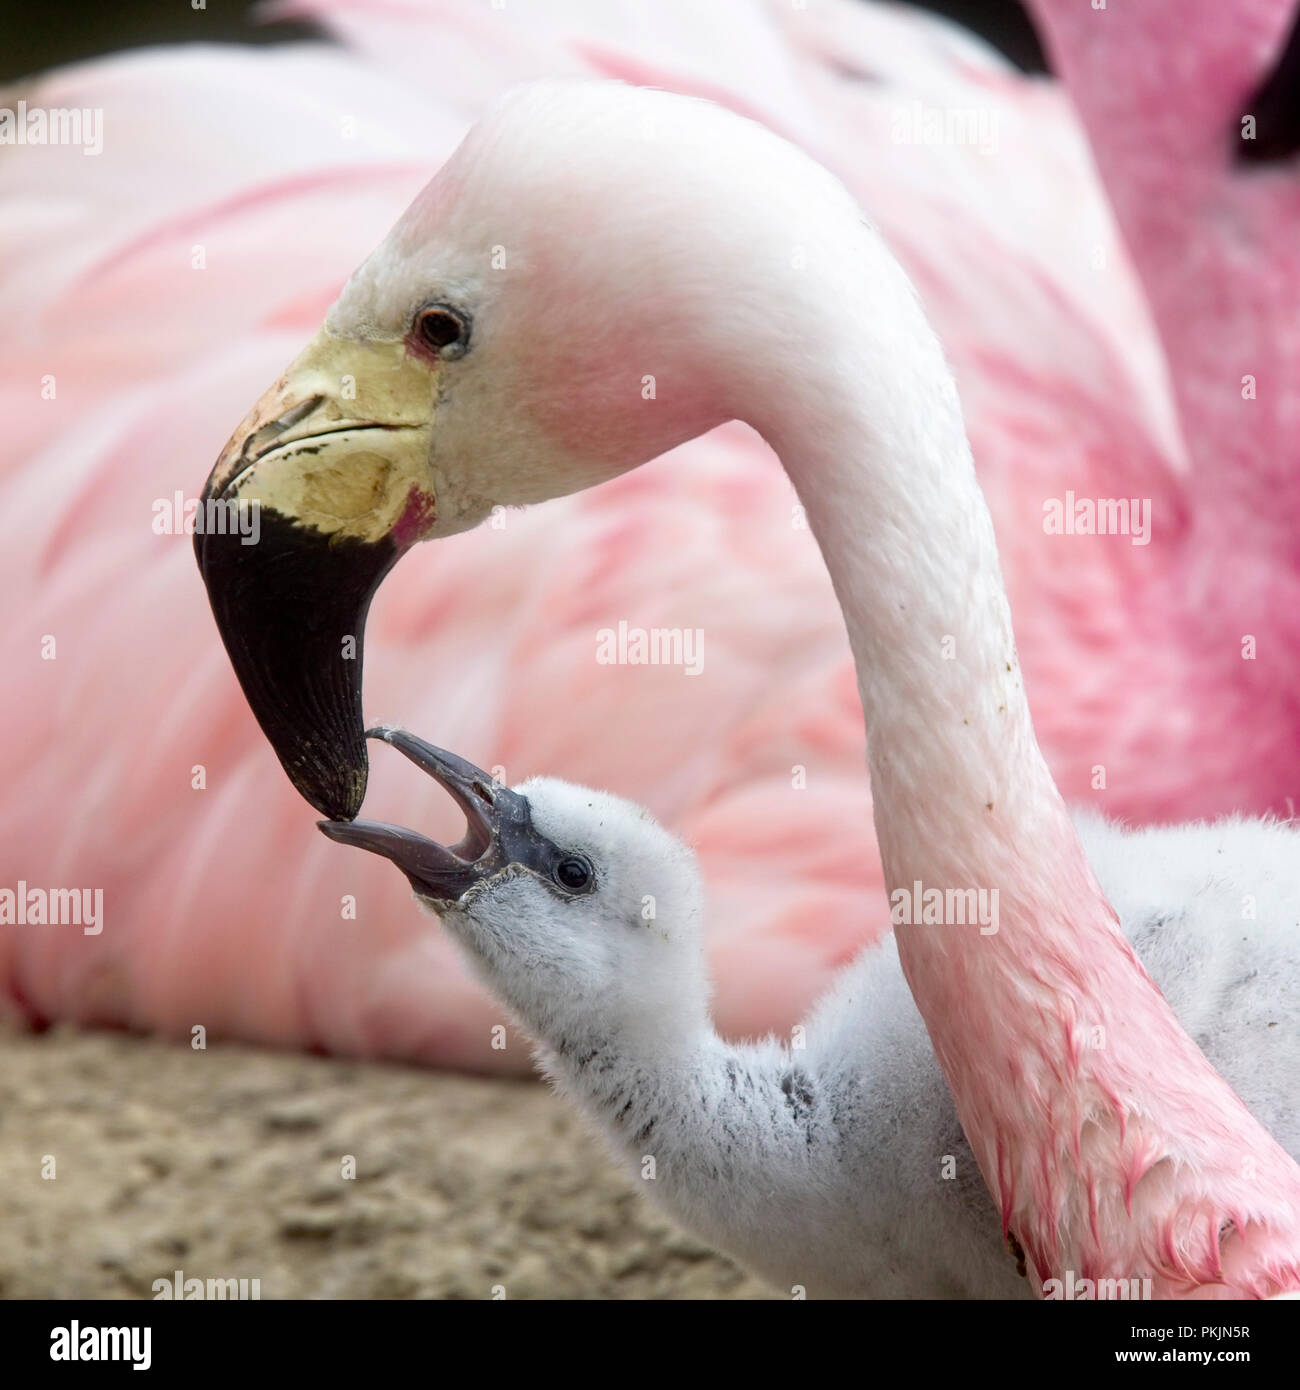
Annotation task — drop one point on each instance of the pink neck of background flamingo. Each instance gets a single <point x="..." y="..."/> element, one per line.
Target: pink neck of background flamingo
<point x="1213" y="238"/>
<point x="964" y="800"/>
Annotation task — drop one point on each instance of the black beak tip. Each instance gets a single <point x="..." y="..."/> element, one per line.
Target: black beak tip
<point x="291" y="609"/>
<point x="338" y="788"/>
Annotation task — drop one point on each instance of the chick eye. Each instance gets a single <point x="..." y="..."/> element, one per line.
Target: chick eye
<point x="443" y="330"/>
<point x="573" y="873"/>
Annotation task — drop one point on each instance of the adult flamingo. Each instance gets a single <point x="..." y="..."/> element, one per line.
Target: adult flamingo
<point x="1064" y="385"/>
<point x="1112" y="1147"/>
<point x="1061" y="381"/>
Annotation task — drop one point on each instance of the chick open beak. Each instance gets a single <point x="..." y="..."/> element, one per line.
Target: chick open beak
<point x="499" y="828"/>
<point x="333" y="462"/>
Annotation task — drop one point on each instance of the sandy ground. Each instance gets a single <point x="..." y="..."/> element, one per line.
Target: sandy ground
<point x="228" y="1163"/>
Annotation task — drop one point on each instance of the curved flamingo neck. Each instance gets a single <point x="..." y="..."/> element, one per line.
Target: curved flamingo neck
<point x="870" y="431"/>
<point x="876" y="448"/>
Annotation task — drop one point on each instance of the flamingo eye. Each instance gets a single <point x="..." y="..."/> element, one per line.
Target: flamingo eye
<point x="573" y="873"/>
<point x="443" y="330"/>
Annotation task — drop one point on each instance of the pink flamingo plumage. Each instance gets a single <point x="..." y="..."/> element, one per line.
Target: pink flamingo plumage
<point x="1110" y="1143"/>
<point x="1056" y="365"/>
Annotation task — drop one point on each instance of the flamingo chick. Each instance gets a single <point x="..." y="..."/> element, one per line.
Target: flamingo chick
<point x="543" y="319"/>
<point x="836" y="1165"/>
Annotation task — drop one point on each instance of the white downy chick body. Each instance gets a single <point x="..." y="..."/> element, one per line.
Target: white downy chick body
<point x="834" y="1163"/>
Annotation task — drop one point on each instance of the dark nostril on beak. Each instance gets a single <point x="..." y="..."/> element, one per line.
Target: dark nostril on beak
<point x="299" y="412"/>
<point x="273" y="429"/>
<point x="261" y="440"/>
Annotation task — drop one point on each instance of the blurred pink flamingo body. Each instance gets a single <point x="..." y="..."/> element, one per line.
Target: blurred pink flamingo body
<point x="153" y="360"/>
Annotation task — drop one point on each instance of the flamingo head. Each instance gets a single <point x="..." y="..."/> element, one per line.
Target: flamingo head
<point x="575" y="906"/>
<point x="597" y="275"/>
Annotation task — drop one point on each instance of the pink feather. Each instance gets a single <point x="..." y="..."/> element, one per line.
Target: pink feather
<point x="223" y="907"/>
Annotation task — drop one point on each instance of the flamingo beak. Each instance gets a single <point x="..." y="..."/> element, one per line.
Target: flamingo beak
<point x="316" y="496"/>
<point x="499" y="828"/>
